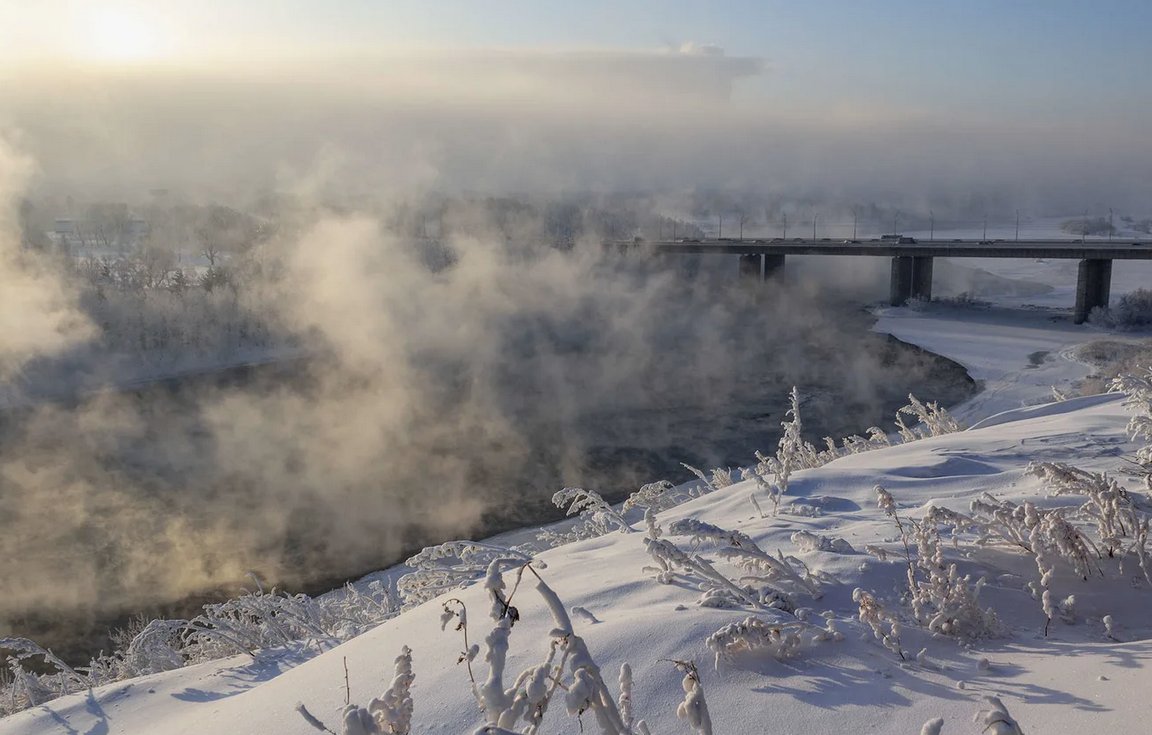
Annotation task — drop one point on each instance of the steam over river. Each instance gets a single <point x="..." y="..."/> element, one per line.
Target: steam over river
<point x="311" y="472"/>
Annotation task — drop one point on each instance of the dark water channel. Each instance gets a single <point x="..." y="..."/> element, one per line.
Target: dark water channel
<point x="637" y="437"/>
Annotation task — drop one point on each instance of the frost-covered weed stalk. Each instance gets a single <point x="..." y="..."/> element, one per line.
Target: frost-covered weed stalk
<point x="769" y="581"/>
<point x="568" y="666"/>
<point x="771" y="473"/>
<point x="794" y="453"/>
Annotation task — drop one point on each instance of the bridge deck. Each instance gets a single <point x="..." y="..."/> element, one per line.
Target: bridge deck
<point x="1053" y="249"/>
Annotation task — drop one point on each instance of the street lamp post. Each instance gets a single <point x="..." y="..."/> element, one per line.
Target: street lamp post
<point x="785" y="235"/>
<point x="894" y="218"/>
<point x="855" y="214"/>
<point x="1017" y="225"/>
<point x="720" y="229"/>
<point x="931" y="225"/>
<point x="814" y="227"/>
<point x="1109" y="224"/>
<point x="985" y="237"/>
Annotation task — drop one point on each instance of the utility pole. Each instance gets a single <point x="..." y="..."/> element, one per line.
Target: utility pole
<point x="1017" y="225"/>
<point x="931" y="225"/>
<point x="814" y="215"/>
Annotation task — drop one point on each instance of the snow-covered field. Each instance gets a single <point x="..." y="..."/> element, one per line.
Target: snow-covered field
<point x="835" y="675"/>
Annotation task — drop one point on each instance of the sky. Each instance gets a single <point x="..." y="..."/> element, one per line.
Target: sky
<point x="987" y="88"/>
<point x="1030" y="57"/>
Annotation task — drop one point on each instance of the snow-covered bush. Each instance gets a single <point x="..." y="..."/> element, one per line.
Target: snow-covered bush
<point x="246" y="624"/>
<point x="445" y="567"/>
<point x="1132" y="310"/>
<point x="662" y="495"/>
<point x="942" y="601"/>
<point x="808" y="541"/>
<point x="597" y="518"/>
<point x="885" y="626"/>
<point x="782" y="640"/>
<point x="793" y="453"/>
<point x="934" y="420"/>
<point x="694" y="708"/>
<point x="1138" y="392"/>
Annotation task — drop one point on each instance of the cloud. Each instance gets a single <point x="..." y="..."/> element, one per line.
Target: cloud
<point x="691" y="48"/>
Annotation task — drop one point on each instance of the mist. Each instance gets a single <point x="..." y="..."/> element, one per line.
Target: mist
<point x="544" y="120"/>
<point x="425" y="387"/>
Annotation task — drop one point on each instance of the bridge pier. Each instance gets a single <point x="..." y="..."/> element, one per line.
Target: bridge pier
<point x="900" y="288"/>
<point x="922" y="277"/>
<point x="911" y="278"/>
<point x="750" y="267"/>
<point x="773" y="267"/>
<point x="1093" y="287"/>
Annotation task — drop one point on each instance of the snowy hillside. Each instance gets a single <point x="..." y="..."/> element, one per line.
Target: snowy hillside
<point x="803" y="621"/>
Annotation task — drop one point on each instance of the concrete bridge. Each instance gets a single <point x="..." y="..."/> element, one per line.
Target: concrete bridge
<point x="912" y="261"/>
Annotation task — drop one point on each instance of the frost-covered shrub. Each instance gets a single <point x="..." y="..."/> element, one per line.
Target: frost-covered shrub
<point x="752" y="635"/>
<point x="661" y="495"/>
<point x="793" y="453"/>
<point x="694" y="708"/>
<point x="933" y="420"/>
<point x="26" y="689"/>
<point x="1138" y="392"/>
<point x="885" y="626"/>
<point x="1131" y="311"/>
<point x="808" y="541"/>
<point x="941" y="600"/>
<point x="445" y="567"/>
<point x="1115" y="511"/>
<point x="699" y="531"/>
<point x="597" y="518"/>
<point x="246" y="624"/>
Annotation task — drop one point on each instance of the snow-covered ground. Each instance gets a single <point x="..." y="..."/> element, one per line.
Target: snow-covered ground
<point x="1081" y="677"/>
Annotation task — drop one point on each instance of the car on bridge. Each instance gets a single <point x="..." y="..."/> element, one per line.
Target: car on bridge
<point x="904" y="240"/>
<point x="851" y="242"/>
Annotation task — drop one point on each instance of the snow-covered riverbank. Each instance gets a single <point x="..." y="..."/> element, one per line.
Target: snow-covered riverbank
<point x="835" y="675"/>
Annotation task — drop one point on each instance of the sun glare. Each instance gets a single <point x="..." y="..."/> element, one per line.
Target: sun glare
<point x="114" y="35"/>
